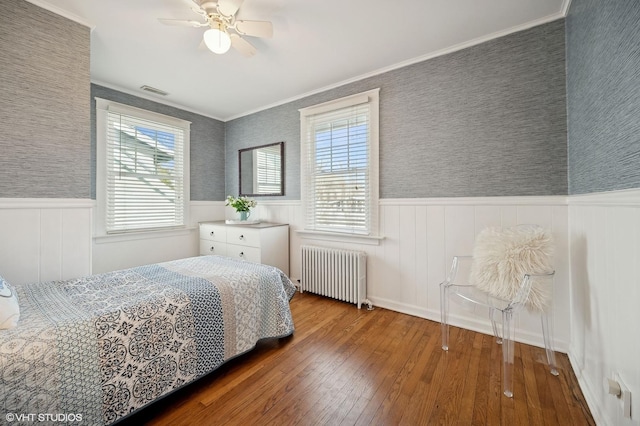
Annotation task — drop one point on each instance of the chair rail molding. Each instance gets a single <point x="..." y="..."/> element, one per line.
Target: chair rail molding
<point x="624" y="197"/>
<point x="535" y="200"/>
<point x="46" y="203"/>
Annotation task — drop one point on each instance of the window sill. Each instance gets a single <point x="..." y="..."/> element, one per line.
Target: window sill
<point x="142" y="235"/>
<point x="336" y="236"/>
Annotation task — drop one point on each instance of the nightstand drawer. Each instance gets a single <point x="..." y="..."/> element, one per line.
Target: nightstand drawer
<point x="243" y="236"/>
<point x="213" y="233"/>
<point x="252" y="254"/>
<point x="262" y="242"/>
<point x="213" y="247"/>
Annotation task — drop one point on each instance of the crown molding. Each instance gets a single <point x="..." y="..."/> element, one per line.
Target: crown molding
<point x="158" y="100"/>
<point x="473" y="42"/>
<point x="441" y="52"/>
<point x="64" y="13"/>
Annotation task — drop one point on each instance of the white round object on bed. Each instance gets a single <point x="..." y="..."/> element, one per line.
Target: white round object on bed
<point x="9" y="309"/>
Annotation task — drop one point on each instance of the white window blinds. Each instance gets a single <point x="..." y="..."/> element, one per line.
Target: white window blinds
<point x="144" y="174"/>
<point x="340" y="174"/>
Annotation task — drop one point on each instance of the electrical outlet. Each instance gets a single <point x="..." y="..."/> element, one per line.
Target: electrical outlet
<point x="626" y="401"/>
<point x="625" y="397"/>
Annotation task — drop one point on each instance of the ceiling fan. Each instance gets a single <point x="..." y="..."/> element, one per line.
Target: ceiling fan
<point x="225" y="31"/>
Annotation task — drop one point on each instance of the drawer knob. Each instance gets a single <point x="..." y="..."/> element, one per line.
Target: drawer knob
<point x="211" y="249"/>
<point x="242" y="237"/>
<point x="241" y="254"/>
<point x="212" y="233"/>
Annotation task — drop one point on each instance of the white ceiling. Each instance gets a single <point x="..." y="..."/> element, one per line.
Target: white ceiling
<point x="316" y="44"/>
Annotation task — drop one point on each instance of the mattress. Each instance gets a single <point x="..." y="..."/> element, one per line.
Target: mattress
<point x="103" y="346"/>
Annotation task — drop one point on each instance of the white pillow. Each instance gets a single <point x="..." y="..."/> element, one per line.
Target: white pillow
<point x="9" y="309"/>
<point x="501" y="258"/>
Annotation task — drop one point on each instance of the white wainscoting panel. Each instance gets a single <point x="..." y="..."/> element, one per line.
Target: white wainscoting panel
<point x="604" y="235"/>
<point x="45" y="239"/>
<point x="420" y="238"/>
<point x="125" y="251"/>
<point x="595" y="318"/>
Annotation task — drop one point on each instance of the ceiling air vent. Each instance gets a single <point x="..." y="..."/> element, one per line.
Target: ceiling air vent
<point x="154" y="90"/>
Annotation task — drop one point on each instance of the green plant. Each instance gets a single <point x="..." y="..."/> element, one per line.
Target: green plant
<point x="241" y="204"/>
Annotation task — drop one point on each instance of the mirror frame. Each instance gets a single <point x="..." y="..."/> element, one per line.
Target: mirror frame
<point x="240" y="151"/>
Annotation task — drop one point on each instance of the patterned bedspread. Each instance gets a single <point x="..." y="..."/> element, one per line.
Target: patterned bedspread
<point x="105" y="345"/>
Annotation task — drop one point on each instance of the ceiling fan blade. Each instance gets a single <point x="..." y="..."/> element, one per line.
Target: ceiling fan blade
<point x="192" y="3"/>
<point x="229" y="7"/>
<point x="242" y="45"/>
<point x="183" y="23"/>
<point x="195" y="7"/>
<point x="255" y="28"/>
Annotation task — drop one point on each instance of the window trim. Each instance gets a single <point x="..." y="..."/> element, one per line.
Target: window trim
<point x="103" y="107"/>
<point x="372" y="97"/>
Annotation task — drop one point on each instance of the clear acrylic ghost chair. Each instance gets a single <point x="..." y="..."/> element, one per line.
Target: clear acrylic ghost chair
<point x="470" y="295"/>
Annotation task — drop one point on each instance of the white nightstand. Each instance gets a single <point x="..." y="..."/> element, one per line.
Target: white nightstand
<point x="263" y="242"/>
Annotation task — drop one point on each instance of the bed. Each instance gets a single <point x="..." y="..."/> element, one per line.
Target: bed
<point x="106" y="345"/>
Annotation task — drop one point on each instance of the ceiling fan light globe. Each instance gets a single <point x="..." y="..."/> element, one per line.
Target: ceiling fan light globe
<point x="217" y="41"/>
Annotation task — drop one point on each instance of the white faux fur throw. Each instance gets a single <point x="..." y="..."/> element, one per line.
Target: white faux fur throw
<point x="501" y="258"/>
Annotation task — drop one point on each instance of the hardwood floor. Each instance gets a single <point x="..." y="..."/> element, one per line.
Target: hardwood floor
<point x="345" y="366"/>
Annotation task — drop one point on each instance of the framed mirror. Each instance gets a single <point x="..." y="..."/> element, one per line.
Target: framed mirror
<point x="261" y="170"/>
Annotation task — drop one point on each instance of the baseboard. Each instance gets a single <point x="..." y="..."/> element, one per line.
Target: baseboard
<point x="468" y="323"/>
<point x="406" y="308"/>
<point x="587" y="392"/>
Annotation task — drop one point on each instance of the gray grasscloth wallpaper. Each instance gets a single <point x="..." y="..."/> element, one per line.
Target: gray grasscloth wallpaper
<point x="44" y="104"/>
<point x="206" y="145"/>
<point x="489" y="120"/>
<point x="603" y="95"/>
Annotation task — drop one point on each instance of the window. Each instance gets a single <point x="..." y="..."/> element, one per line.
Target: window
<point x="340" y="164"/>
<point x="142" y="168"/>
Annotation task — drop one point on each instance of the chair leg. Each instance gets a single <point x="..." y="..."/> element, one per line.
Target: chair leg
<point x="444" y="315"/>
<point x="508" y="335"/>
<point x="548" y="344"/>
<point x="496" y="333"/>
